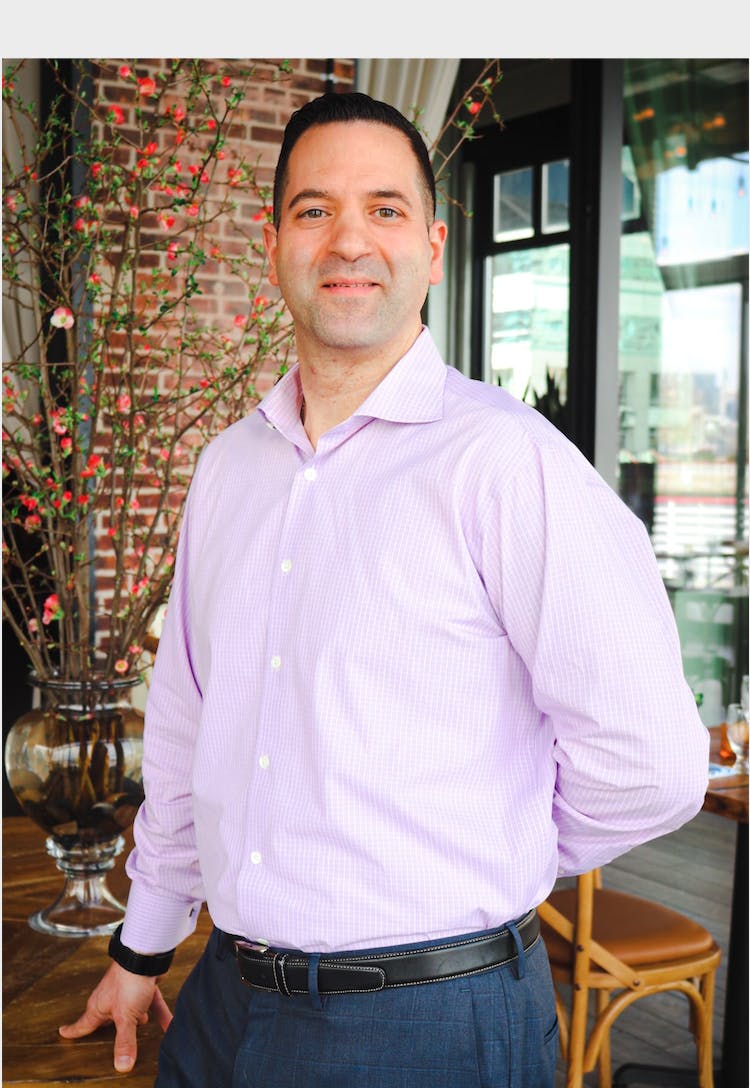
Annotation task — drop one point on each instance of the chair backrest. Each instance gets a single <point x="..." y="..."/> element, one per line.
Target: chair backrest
<point x="664" y="951"/>
<point x="584" y="950"/>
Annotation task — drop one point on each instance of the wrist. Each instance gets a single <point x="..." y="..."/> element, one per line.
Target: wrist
<point x="138" y="963"/>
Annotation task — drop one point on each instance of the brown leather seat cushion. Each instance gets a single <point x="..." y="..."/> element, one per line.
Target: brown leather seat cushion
<point x="635" y="930"/>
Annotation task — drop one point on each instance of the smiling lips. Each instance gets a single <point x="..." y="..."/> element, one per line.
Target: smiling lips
<point x="349" y="287"/>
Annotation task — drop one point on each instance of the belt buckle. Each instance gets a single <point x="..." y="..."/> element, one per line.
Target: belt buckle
<point x="260" y="947"/>
<point x="277" y="960"/>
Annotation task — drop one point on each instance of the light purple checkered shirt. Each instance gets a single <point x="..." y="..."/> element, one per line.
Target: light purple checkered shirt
<point x="405" y="679"/>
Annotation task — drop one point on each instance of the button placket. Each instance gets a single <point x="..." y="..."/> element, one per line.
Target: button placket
<point x="281" y="611"/>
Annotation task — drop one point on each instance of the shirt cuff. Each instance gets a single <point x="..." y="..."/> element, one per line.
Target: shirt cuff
<point x="154" y="924"/>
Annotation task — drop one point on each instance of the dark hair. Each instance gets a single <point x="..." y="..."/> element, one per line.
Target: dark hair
<point x="349" y="106"/>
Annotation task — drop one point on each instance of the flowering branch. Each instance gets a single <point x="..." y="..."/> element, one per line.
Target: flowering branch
<point x="125" y="213"/>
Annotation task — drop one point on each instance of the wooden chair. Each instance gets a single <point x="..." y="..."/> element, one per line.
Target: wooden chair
<point x="623" y="948"/>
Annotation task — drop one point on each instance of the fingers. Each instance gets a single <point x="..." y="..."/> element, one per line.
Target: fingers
<point x="160" y="1010"/>
<point x="86" y="1023"/>
<point x="126" y="1048"/>
<point x="124" y="999"/>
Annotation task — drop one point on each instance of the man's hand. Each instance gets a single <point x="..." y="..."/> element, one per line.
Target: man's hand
<point x="126" y="1000"/>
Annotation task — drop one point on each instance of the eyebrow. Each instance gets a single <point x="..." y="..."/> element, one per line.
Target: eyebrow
<point x="325" y="194"/>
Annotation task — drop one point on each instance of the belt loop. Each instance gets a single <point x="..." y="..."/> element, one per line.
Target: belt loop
<point x="279" y="961"/>
<point x="223" y="943"/>
<point x="520" y="954"/>
<point x="312" y="981"/>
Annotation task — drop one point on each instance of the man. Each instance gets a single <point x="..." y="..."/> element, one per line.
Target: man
<point x="418" y="660"/>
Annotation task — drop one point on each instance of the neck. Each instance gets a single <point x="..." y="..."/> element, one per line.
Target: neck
<point x="334" y="388"/>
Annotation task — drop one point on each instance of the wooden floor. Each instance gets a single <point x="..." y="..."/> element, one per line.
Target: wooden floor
<point x="690" y="871"/>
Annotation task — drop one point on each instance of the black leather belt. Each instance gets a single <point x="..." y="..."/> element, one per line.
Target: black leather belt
<point x="287" y="972"/>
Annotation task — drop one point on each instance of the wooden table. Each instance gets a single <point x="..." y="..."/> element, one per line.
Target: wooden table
<point x="46" y="980"/>
<point x="727" y="795"/>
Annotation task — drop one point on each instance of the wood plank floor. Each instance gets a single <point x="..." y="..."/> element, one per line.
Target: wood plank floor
<point x="690" y="871"/>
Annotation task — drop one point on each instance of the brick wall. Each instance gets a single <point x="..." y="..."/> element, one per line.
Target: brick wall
<point x="256" y="133"/>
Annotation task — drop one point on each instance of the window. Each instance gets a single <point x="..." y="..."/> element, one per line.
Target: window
<point x="513" y="207"/>
<point x="683" y="293"/>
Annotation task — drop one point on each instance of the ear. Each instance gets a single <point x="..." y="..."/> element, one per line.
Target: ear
<point x="438" y="232"/>
<point x="270" y="242"/>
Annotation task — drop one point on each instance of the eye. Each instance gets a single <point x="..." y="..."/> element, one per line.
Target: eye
<point x="311" y="213"/>
<point x="386" y="213"/>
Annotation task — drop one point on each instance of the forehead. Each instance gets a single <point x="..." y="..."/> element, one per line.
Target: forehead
<point x="350" y="149"/>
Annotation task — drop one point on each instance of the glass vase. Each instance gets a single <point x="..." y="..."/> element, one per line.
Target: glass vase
<point x="74" y="765"/>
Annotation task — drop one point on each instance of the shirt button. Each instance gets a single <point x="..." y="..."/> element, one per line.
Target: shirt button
<point x="255" y="857"/>
<point x="311" y="473"/>
<point x="265" y="762"/>
<point x="276" y="662"/>
<point x="286" y="565"/>
<point x="270" y="425"/>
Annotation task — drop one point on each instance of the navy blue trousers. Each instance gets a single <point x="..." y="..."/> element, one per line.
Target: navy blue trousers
<point x="496" y="1029"/>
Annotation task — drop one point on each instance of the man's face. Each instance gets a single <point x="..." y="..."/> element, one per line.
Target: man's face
<point x="354" y="252"/>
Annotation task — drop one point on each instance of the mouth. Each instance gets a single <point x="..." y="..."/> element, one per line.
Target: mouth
<point x="349" y="285"/>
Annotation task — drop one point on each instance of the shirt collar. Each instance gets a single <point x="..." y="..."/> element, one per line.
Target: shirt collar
<point x="411" y="392"/>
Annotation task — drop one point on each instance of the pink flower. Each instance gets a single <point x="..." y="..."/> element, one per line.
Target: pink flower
<point x="225" y="81"/>
<point x="240" y="321"/>
<point x="62" y="318"/>
<point x="146" y="85"/>
<point x="32" y="522"/>
<point x="473" y="107"/>
<point x="52" y="609"/>
<point x="134" y="211"/>
<point x="33" y="626"/>
<point x="191" y="210"/>
<point x="116" y="115"/>
<point x="121" y="666"/>
<point x="124" y="71"/>
<point x="66" y="445"/>
<point x="123" y="403"/>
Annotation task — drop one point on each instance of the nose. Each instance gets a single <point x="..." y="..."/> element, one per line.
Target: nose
<point x="350" y="236"/>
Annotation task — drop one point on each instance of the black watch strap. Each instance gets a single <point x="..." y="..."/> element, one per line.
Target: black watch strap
<point x="138" y="962"/>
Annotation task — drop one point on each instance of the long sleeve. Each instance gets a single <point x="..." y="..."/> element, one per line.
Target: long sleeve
<point x="585" y="607"/>
<point x="166" y="891"/>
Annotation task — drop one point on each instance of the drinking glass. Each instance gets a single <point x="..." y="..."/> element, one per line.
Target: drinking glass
<point x="737" y="735"/>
